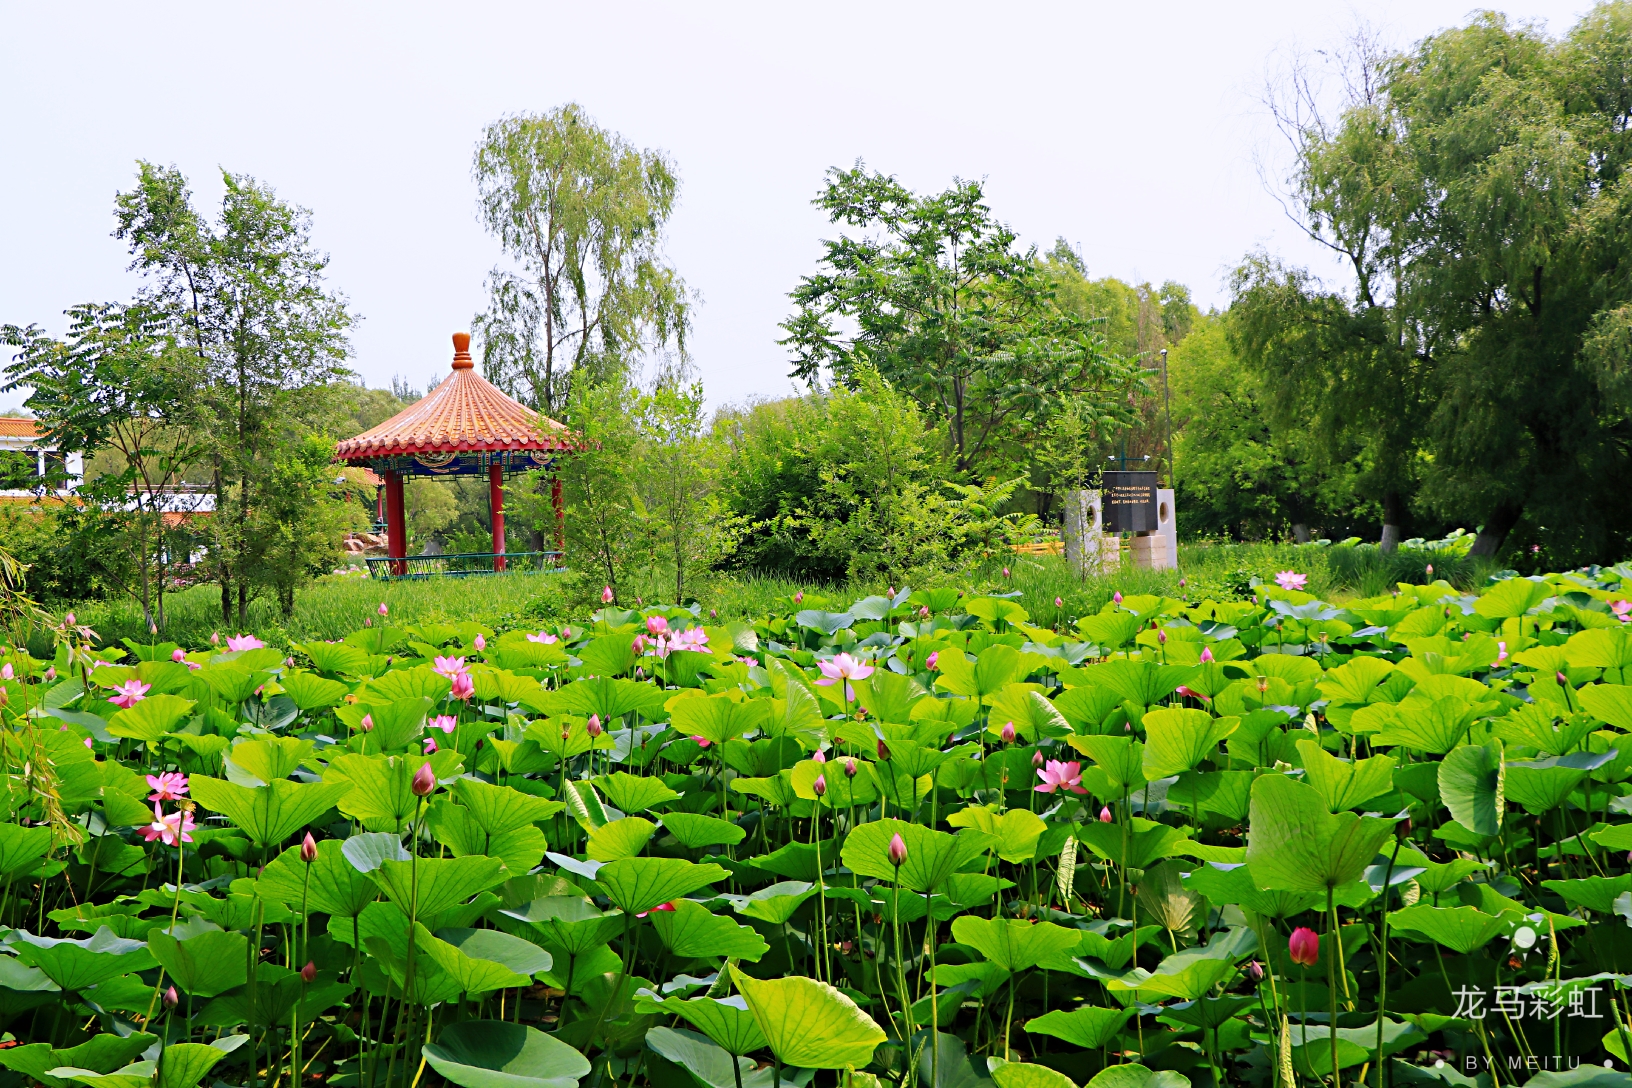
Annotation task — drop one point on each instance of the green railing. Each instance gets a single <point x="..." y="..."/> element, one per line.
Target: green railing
<point x="463" y="564"/>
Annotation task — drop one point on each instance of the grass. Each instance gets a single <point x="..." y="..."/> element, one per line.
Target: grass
<point x="339" y="605"/>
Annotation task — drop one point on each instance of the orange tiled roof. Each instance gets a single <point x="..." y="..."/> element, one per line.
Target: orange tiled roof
<point x="465" y="412"/>
<point x="18" y="427"/>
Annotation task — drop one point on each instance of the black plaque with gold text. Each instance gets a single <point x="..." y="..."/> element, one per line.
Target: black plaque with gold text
<point x="1129" y="500"/>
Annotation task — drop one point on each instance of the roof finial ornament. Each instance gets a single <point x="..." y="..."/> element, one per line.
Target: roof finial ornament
<point x="461" y="351"/>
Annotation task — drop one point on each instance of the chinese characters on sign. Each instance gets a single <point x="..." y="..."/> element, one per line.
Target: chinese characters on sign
<point x="1129" y="500"/>
<point x="1515" y="1004"/>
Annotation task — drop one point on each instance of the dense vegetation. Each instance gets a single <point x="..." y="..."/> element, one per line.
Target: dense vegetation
<point x="915" y="839"/>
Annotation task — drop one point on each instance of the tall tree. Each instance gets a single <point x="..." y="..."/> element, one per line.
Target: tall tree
<point x="270" y="335"/>
<point x="936" y="296"/>
<point x="1476" y="187"/>
<point x="579" y="213"/>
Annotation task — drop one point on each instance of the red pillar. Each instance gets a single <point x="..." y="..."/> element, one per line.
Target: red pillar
<point x="495" y="503"/>
<point x="396" y="523"/>
<point x="560" y="508"/>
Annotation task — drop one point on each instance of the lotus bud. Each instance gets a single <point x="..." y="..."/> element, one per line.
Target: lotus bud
<point x="849" y="768"/>
<point x="930" y="661"/>
<point x="1563" y="681"/>
<point x="883" y="750"/>
<point x="69" y="619"/>
<point x="606" y="594"/>
<point x="1501" y="652"/>
<point x="384" y="611"/>
<point x="308" y="849"/>
<point x="640" y="602"/>
<point x="430" y="746"/>
<point x="1105" y="815"/>
<point x="923" y="611"/>
<point x="50" y="674"/>
<point x="1304" y="947"/>
<point x="898" y="851"/>
<point x="1008" y="733"/>
<point x="890" y="593"/>
<point x="713" y="615"/>
<point x="1059" y="602"/>
<point x="368" y="621"/>
<point x="594" y="727"/>
<point x="178" y="655"/>
<point x="1403" y="828"/>
<point x="1161" y="637"/>
<point x="1181" y="583"/>
<point x="308" y="972"/>
<point x="215" y="636"/>
<point x="1005" y="572"/>
<point x="1263" y="685"/>
<point x="1255" y="971"/>
<point x="367" y="723"/>
<point x="152" y="628"/>
<point x="819" y="756"/>
<point x="480" y="643"/>
<point x="1117" y="596"/>
<point x="1430" y="571"/>
<point x="424" y="780"/>
<point x="799" y="597"/>
<point x="820" y="785"/>
<point x="1037" y="758"/>
<point x="171" y="998"/>
<point x="1206" y="655"/>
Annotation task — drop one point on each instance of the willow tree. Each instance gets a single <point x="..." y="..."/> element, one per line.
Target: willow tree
<point x="1476" y="187"/>
<point x="580" y="214"/>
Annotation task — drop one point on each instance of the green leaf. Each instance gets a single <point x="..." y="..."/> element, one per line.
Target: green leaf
<point x="620" y="839"/>
<point x="1133" y="1075"/>
<point x="1178" y="738"/>
<point x="635" y="793"/>
<point x="1147" y="841"/>
<point x="1015" y="944"/>
<point x="1121" y="758"/>
<point x="21" y="848"/>
<point x="184" y="1065"/>
<point x="441" y="882"/>
<point x="98" y="1054"/>
<point x="1345" y="784"/>
<point x="696" y="831"/>
<point x="456" y="828"/>
<point x="271" y="813"/>
<point x="777" y="903"/>
<point x="1470" y="782"/>
<point x="1611" y="703"/>
<point x="498" y="1054"/>
<point x="522" y="957"/>
<point x="571" y="923"/>
<point x="717" y="718"/>
<point x="381" y="787"/>
<point x="1594" y="892"/>
<point x="1015" y="833"/>
<point x="1142" y="683"/>
<point x="1511" y="598"/>
<point x="331" y="884"/>
<point x="1026" y="1075"/>
<point x="149" y="720"/>
<point x="78" y="964"/>
<point x="636" y="885"/>
<point x="932" y="856"/>
<point x="691" y="930"/>
<point x="205" y="964"/>
<point x="808" y="1024"/>
<point x="1087" y="1026"/>
<point x="1297" y="845"/>
<point x="710" y="1066"/>
<point x="726" y="1021"/>
<point x="1461" y="929"/>
<point x="311" y="692"/>
<point x="997" y="668"/>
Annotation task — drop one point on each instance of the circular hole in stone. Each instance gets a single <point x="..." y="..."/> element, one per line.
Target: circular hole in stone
<point x="1161" y="513"/>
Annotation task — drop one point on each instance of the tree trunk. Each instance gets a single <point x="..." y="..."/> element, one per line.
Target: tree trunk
<point x="1300" y="533"/>
<point x="1393" y="519"/>
<point x="1493" y="533"/>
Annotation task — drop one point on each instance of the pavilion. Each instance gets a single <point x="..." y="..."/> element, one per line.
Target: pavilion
<point x="463" y="427"/>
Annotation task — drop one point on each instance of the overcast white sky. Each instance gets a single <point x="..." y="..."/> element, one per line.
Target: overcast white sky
<point x="1129" y="129"/>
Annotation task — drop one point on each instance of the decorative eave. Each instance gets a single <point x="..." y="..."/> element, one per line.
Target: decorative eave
<point x="465" y="414"/>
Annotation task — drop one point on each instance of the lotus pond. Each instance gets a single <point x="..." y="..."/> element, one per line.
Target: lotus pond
<point x="913" y="839"/>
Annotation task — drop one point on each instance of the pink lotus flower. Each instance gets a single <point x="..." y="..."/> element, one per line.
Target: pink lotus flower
<point x="1304" y="947"/>
<point x="367" y="723"/>
<point x="898" y="851"/>
<point x="1430" y="571"/>
<point x="215" y="638"/>
<point x="1291" y="579"/>
<point x="171" y="998"/>
<point x="1005" y="572"/>
<point x="169" y="786"/>
<point x="1059" y="602"/>
<point x="448" y="666"/>
<point x="931" y="661"/>
<point x="593" y="727"/>
<point x="171" y="828"/>
<point x="543" y="636"/>
<point x="384" y="611"/>
<point x="1190" y="693"/>
<point x="463" y="686"/>
<point x="424" y="780"/>
<point x="1008" y="733"/>
<point x="798" y="598"/>
<point x="1206" y="655"/>
<point x="7" y="672"/>
<point x="50" y="674"/>
<point x="1056" y="774"/>
<point x="656" y="625"/>
<point x="309" y="972"/>
<point x="430" y="747"/>
<point x="308" y="849"/>
<point x="445" y="722"/>
<point x="480" y="643"/>
<point x="883" y="751"/>
<point x="819" y="756"/>
<point x="702" y="742"/>
<point x="1036" y="757"/>
<point x="820" y="785"/>
<point x="178" y="655"/>
<point x="244" y="642"/>
<point x="1117" y="596"/>
<point x="846" y="668"/>
<point x="606" y="595"/>
<point x="1501" y="652"/>
<point x="129" y="693"/>
<point x="1622" y="610"/>
<point x="1105" y="815"/>
<point x="660" y="906"/>
<point x="849" y="768"/>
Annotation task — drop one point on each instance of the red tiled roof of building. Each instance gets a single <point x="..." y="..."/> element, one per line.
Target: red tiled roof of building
<point x="465" y="412"/>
